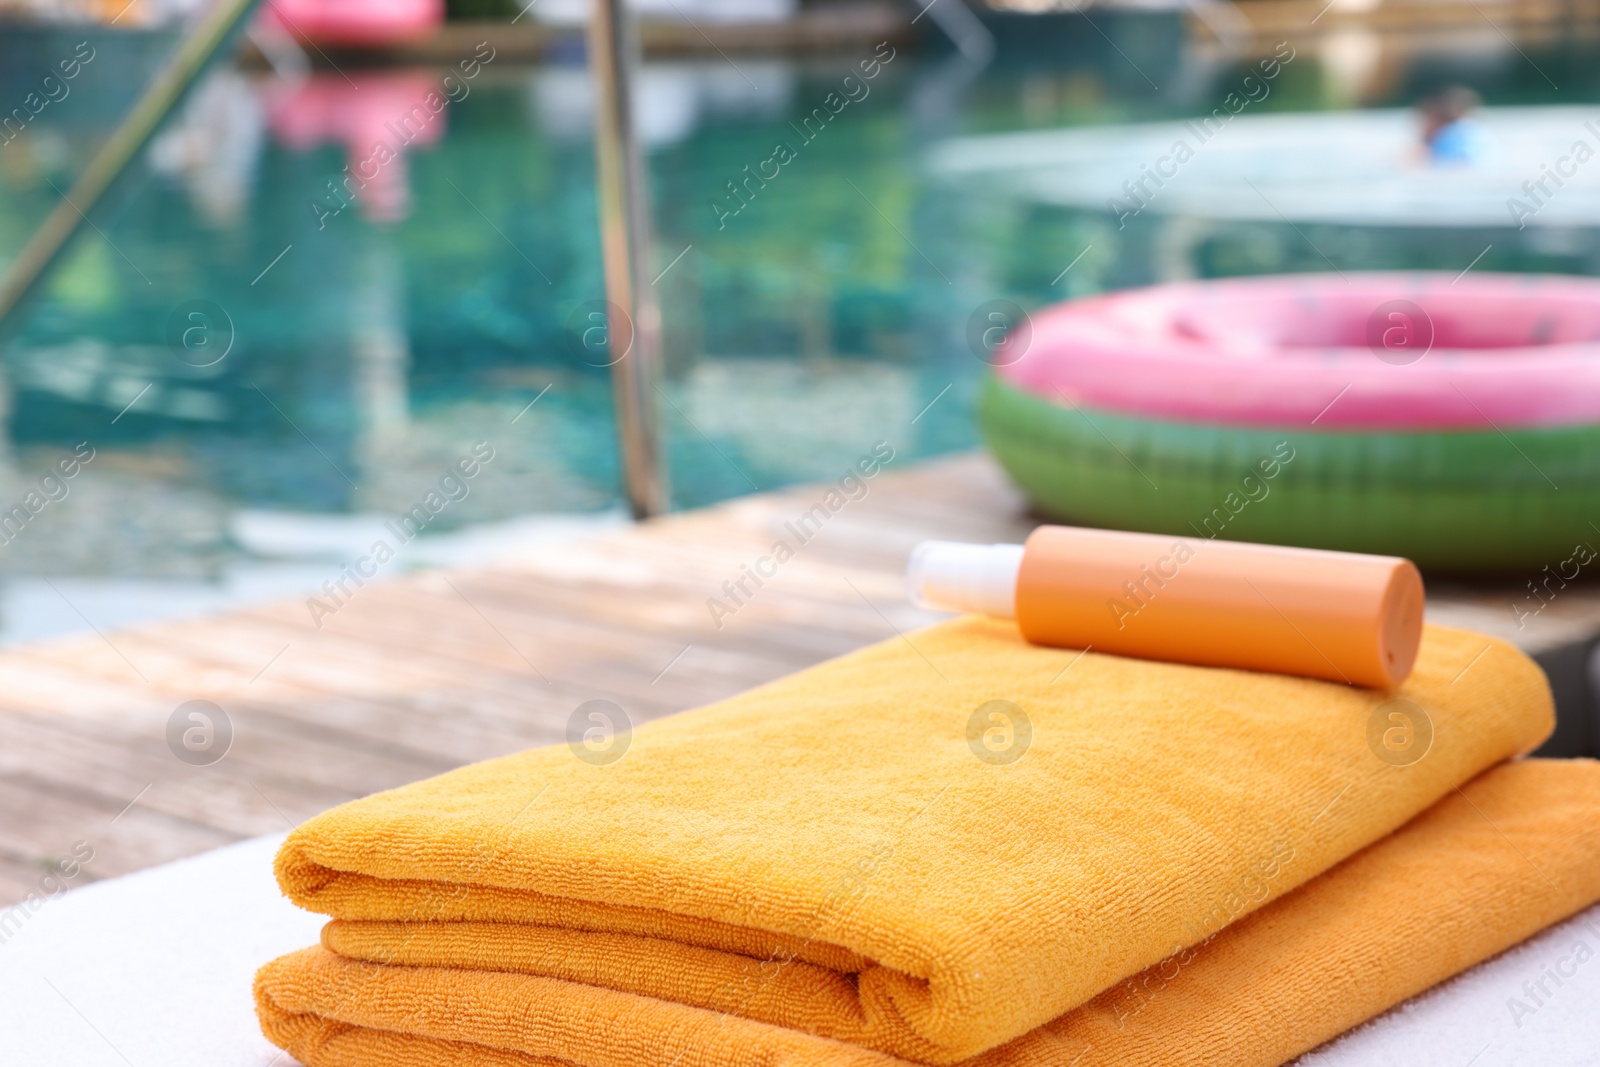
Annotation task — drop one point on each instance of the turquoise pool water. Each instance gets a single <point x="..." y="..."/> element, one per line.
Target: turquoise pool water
<point x="268" y="364"/>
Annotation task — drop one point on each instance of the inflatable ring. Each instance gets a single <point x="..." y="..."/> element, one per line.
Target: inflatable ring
<point x="1451" y="501"/>
<point x="1204" y="440"/>
<point x="1359" y="351"/>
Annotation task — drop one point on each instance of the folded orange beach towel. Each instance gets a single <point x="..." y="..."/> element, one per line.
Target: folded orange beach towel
<point x="863" y="831"/>
<point x="1515" y="850"/>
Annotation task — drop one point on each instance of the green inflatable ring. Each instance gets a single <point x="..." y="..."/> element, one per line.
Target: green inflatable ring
<point x="1452" y="501"/>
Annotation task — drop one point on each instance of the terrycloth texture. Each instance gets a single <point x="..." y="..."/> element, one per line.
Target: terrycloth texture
<point x="1510" y="853"/>
<point x="826" y="853"/>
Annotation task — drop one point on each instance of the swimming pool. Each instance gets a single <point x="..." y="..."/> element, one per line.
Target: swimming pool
<point x="269" y="364"/>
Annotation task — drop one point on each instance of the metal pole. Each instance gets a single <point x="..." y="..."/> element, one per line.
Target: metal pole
<point x="187" y="64"/>
<point x="625" y="243"/>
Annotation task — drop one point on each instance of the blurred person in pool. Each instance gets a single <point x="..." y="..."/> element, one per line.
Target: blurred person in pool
<point x="1450" y="135"/>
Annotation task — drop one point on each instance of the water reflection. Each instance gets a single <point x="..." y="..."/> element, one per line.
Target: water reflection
<point x="575" y="12"/>
<point x="670" y="100"/>
<point x="213" y="147"/>
<point x="378" y="122"/>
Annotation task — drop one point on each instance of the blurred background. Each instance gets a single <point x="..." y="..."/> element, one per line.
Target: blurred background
<point x="270" y="362"/>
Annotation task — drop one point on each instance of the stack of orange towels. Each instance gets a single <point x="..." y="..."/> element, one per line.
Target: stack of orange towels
<point x="1186" y="865"/>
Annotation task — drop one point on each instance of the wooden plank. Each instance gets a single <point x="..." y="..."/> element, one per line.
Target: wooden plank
<point x="57" y="822"/>
<point x="1527" y="19"/>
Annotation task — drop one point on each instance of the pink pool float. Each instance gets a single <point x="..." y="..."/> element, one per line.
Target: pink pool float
<point x="355" y="23"/>
<point x="1398" y="351"/>
<point x="1454" y="419"/>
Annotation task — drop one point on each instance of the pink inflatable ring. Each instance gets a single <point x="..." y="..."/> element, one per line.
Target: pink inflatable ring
<point x="1356" y="351"/>
<point x="1455" y="421"/>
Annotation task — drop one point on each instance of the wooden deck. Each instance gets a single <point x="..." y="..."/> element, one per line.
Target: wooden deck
<point x="420" y="674"/>
<point x="1536" y="19"/>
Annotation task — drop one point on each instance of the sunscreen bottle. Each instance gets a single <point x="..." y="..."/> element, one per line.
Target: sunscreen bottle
<point x="1341" y="616"/>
